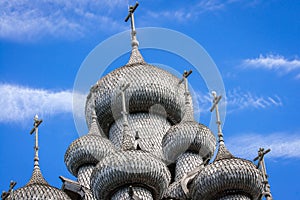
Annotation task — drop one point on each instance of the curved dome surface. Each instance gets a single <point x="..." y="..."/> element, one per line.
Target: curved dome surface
<point x="88" y="149"/>
<point x="149" y="85"/>
<point x="39" y="191"/>
<point x="188" y="136"/>
<point x="38" y="188"/>
<point x="225" y="176"/>
<point x="134" y="168"/>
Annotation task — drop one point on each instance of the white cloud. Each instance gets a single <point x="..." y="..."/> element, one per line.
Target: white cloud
<point x="273" y="62"/>
<point x="192" y="9"/>
<point x="282" y="145"/>
<point x="24" y="20"/>
<point x="237" y="100"/>
<point x="20" y="103"/>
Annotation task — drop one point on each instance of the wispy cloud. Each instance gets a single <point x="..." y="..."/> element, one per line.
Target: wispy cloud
<point x="282" y="145"/>
<point x="237" y="100"/>
<point x="21" y="103"/>
<point x="26" y="20"/>
<point x="192" y="9"/>
<point x="273" y="62"/>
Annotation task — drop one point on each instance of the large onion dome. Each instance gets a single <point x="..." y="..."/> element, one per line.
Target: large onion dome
<point x="88" y="149"/>
<point x="137" y="168"/>
<point x="227" y="177"/>
<point x="38" y="188"/>
<point x="149" y="86"/>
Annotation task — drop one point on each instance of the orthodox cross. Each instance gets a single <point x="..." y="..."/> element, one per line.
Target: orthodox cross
<point x="35" y="130"/>
<point x="261" y="164"/>
<point x="216" y="100"/>
<point x="128" y="140"/>
<point x="184" y="79"/>
<point x="130" y="15"/>
<point x="188" y="113"/>
<point x="5" y="195"/>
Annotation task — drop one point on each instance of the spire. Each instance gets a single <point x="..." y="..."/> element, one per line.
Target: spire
<point x="128" y="139"/>
<point x="36" y="176"/>
<point x="261" y="164"/>
<point x="216" y="100"/>
<point x="94" y="128"/>
<point x="222" y="151"/>
<point x="135" y="56"/>
<point x="188" y="113"/>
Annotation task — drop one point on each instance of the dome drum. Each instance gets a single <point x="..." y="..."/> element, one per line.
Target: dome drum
<point x="148" y="129"/>
<point x="140" y="192"/>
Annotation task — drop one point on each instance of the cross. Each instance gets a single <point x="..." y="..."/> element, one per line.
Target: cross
<point x="130" y="15"/>
<point x="128" y="140"/>
<point x="216" y="100"/>
<point x="5" y="195"/>
<point x="35" y="129"/>
<point x="188" y="113"/>
<point x="261" y="164"/>
<point x="184" y="79"/>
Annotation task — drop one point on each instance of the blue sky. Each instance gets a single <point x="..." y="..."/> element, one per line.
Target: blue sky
<point x="255" y="45"/>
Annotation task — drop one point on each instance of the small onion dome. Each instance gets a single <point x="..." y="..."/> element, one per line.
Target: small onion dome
<point x="188" y="136"/>
<point x="136" y="168"/>
<point x="149" y="85"/>
<point x="227" y="176"/>
<point x="38" y="188"/>
<point x="88" y="149"/>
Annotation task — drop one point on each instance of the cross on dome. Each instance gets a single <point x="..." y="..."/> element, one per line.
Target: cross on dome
<point x="35" y="130"/>
<point x="128" y="140"/>
<point x="134" y="41"/>
<point x="216" y="100"/>
<point x="261" y="164"/>
<point x="188" y="114"/>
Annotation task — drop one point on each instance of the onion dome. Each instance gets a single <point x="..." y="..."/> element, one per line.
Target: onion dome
<point x="37" y="187"/>
<point x="88" y="149"/>
<point x="188" y="135"/>
<point x="136" y="168"/>
<point x="149" y="85"/>
<point x="227" y="177"/>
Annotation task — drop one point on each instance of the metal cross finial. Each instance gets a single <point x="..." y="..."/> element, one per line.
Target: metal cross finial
<point x="261" y="164"/>
<point x="184" y="79"/>
<point x="35" y="129"/>
<point x="128" y="139"/>
<point x="134" y="41"/>
<point x="216" y="100"/>
<point x="188" y="114"/>
<point x="5" y="195"/>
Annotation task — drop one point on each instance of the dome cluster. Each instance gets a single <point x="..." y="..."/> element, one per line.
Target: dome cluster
<point x="143" y="143"/>
<point x="171" y="152"/>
